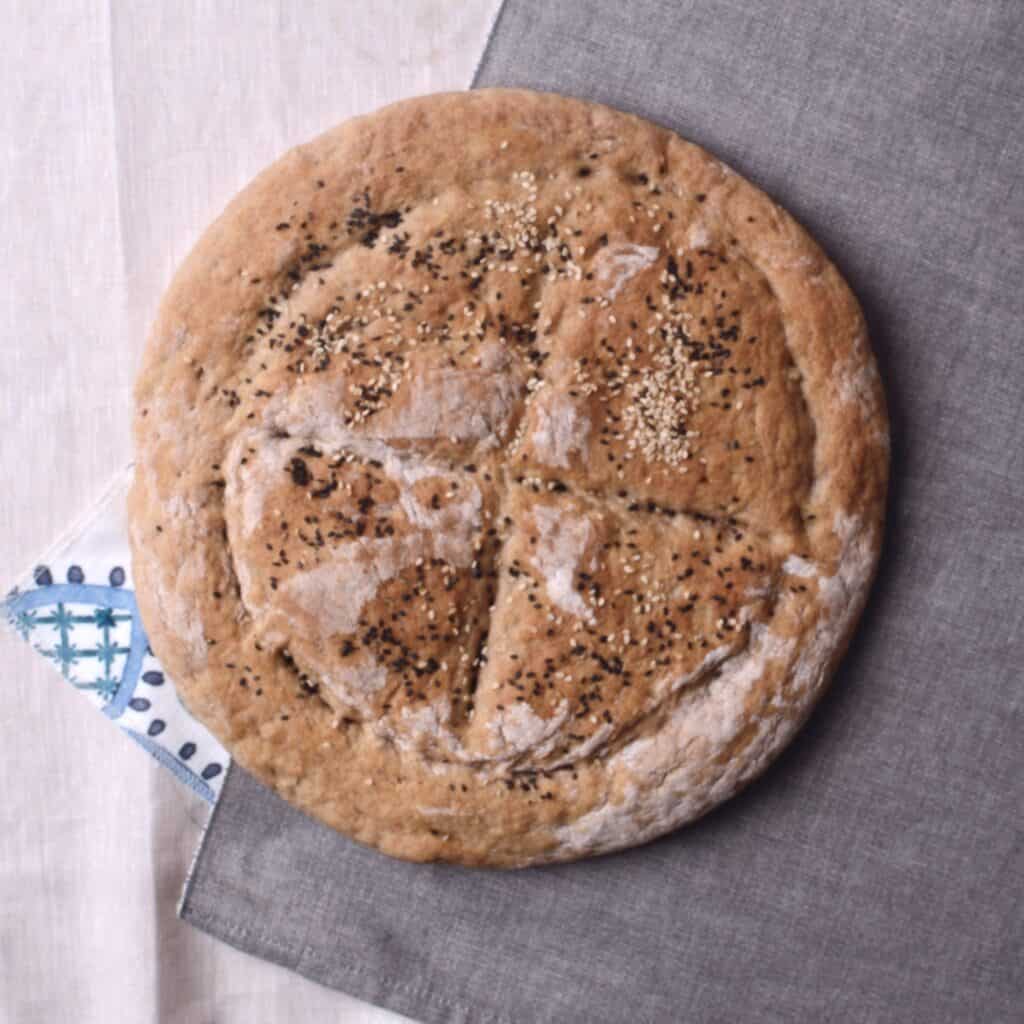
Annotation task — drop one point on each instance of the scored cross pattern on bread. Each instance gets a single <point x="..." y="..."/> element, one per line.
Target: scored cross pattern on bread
<point x="478" y="613"/>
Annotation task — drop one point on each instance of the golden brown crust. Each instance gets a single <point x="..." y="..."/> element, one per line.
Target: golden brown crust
<point x="510" y="478"/>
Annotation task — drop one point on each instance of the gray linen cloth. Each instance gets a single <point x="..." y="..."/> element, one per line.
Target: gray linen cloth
<point x="875" y="873"/>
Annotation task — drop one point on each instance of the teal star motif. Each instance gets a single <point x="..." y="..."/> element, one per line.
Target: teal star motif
<point x="104" y="618"/>
<point x="24" y="623"/>
<point x="106" y="651"/>
<point x="65" y="655"/>
<point x="63" y="619"/>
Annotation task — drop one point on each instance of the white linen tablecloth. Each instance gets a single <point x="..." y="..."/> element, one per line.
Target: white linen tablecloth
<point x="126" y="128"/>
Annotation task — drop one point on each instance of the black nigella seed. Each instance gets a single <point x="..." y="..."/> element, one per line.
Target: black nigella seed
<point x="300" y="472"/>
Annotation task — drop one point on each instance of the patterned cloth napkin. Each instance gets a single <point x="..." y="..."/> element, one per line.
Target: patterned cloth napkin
<point x="76" y="607"/>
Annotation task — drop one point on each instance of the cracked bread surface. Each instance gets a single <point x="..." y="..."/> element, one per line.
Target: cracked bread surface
<point x="510" y="477"/>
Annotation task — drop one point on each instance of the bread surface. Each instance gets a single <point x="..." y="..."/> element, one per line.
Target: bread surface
<point x="510" y="478"/>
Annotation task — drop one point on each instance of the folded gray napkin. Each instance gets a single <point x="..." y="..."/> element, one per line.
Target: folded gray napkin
<point x="875" y="873"/>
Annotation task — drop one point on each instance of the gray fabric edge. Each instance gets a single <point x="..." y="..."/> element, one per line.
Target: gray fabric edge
<point x="183" y="908"/>
<point x="486" y="51"/>
<point x="418" y="1002"/>
<point x="418" y="999"/>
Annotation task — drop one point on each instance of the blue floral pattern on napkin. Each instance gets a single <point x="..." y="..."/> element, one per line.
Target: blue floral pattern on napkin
<point x="78" y="611"/>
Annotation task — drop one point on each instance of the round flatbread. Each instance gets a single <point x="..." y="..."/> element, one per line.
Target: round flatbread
<point x="510" y="478"/>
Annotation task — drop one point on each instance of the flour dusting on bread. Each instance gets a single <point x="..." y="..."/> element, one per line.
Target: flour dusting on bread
<point x="620" y="263"/>
<point x="561" y="546"/>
